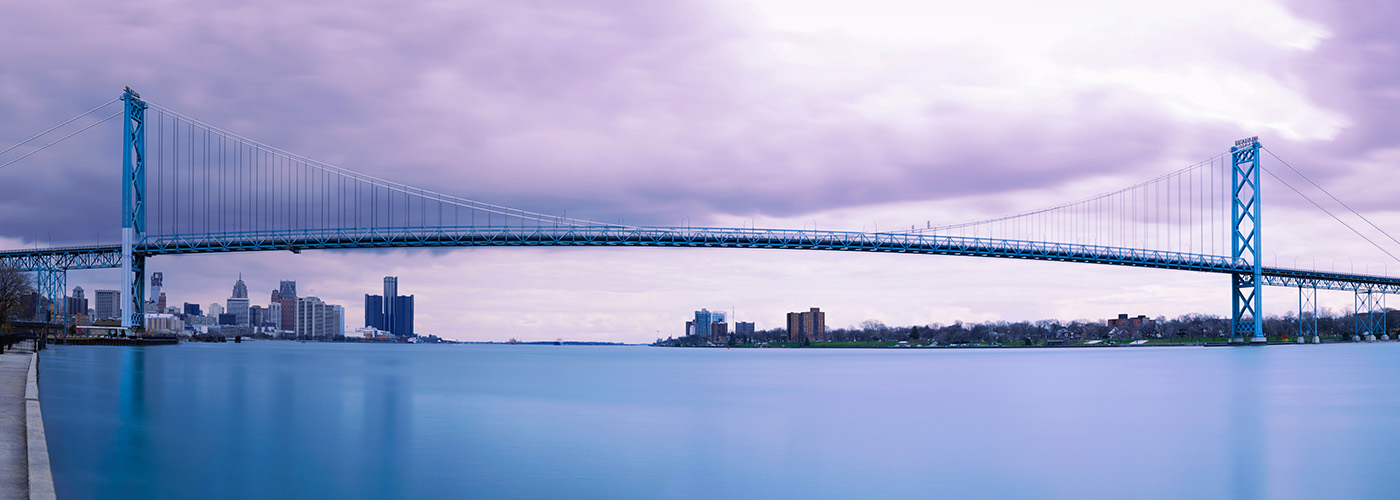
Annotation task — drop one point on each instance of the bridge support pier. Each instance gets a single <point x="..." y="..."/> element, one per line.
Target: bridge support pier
<point x="1369" y="314"/>
<point x="1247" y="294"/>
<point x="1307" y="312"/>
<point x="52" y="306"/>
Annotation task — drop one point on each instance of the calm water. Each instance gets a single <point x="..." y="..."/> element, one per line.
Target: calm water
<point x="277" y="420"/>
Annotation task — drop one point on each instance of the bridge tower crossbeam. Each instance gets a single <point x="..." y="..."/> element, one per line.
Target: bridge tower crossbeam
<point x="1246" y="294"/>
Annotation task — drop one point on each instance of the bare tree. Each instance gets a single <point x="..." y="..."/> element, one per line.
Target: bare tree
<point x="14" y="285"/>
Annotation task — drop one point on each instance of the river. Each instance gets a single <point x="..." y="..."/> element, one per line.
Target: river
<point x="282" y="420"/>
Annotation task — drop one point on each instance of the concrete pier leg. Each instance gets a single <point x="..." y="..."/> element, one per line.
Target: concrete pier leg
<point x="1316" y="340"/>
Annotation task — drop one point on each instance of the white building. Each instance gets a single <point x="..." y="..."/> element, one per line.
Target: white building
<point x="370" y="332"/>
<point x="215" y="310"/>
<point x="164" y="323"/>
<point x="274" y="314"/>
<point x="317" y="319"/>
<point x="339" y="321"/>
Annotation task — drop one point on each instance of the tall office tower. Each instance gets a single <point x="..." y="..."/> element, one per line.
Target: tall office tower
<point x="215" y="309"/>
<point x="160" y="302"/>
<point x="240" y="290"/>
<point x="339" y="330"/>
<point x="239" y="309"/>
<point x="391" y="290"/>
<point x="810" y="325"/>
<point x="286" y="294"/>
<point x="109" y="304"/>
<point x="157" y="281"/>
<point x="256" y="315"/>
<point x="374" y="312"/>
<point x="403" y="316"/>
<point x="77" y="304"/>
<point x="390" y="312"/>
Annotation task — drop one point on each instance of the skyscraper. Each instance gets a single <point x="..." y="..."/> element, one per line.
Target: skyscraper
<point x="157" y="281"/>
<point x="240" y="290"/>
<point x="401" y="324"/>
<point x="77" y="304"/>
<point x="390" y="312"/>
<point x="286" y="294"/>
<point x="109" y="304"/>
<point x="374" y="311"/>
<point x="391" y="290"/>
<point x="238" y="303"/>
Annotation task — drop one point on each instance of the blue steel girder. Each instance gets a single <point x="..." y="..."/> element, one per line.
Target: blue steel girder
<point x="678" y="237"/>
<point x="1369" y="312"/>
<point x="1307" y="311"/>
<point x="95" y="257"/>
<point x="51" y="284"/>
<point x="99" y="257"/>
<point x="1246" y="230"/>
<point x="470" y="236"/>
<point x="133" y="209"/>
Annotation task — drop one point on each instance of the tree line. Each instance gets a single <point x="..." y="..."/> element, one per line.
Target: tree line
<point x="1186" y="328"/>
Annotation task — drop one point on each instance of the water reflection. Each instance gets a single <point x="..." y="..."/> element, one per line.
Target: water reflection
<point x="1246" y="422"/>
<point x="291" y="421"/>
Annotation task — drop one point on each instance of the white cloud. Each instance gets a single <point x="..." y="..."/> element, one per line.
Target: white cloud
<point x="895" y="60"/>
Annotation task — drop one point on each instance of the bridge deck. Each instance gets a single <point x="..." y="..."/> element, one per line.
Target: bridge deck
<point x="94" y="257"/>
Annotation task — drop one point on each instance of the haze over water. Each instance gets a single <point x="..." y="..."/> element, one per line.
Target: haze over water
<point x="289" y="420"/>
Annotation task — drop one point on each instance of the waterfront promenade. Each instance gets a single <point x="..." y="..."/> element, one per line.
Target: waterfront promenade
<point x="24" y="461"/>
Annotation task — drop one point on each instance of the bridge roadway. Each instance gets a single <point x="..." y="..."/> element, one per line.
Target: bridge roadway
<point x="109" y="256"/>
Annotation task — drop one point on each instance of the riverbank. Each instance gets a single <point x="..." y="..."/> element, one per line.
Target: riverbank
<point x="24" y="452"/>
<point x="1078" y="344"/>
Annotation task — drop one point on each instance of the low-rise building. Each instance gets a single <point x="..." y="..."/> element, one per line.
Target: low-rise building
<point x="164" y="323"/>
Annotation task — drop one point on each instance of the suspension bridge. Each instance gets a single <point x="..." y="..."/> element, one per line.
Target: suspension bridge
<point x="189" y="187"/>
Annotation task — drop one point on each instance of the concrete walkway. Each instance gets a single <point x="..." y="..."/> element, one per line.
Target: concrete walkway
<point x="24" y="450"/>
<point x="14" y="443"/>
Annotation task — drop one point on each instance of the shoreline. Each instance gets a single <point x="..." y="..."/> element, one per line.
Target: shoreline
<point x="40" y="473"/>
<point x="819" y="345"/>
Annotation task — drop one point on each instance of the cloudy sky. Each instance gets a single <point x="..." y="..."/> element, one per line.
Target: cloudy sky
<point x="771" y="113"/>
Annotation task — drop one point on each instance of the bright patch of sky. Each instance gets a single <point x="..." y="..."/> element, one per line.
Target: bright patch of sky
<point x="897" y="60"/>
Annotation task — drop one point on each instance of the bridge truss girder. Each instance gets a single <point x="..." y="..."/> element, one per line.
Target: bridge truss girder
<point x="62" y="258"/>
